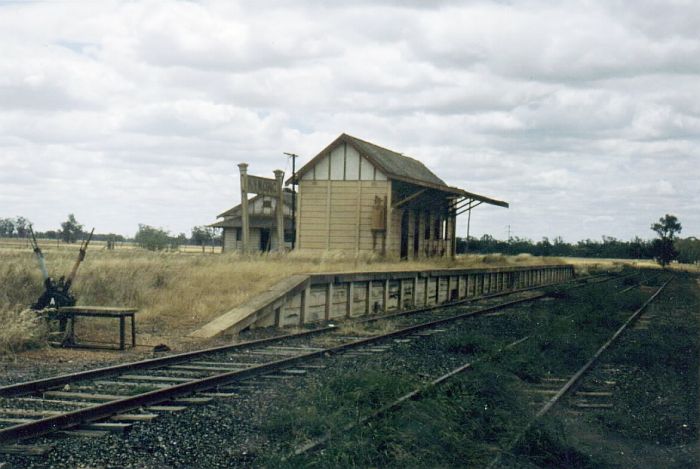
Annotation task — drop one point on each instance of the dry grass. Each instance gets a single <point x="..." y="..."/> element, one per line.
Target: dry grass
<point x="22" y="330"/>
<point x="583" y="265"/>
<point x="178" y="292"/>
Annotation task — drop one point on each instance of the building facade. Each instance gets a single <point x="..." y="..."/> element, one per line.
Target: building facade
<point x="355" y="196"/>
<point x="263" y="231"/>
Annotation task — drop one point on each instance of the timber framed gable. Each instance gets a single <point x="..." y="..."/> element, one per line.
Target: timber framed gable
<point x="350" y="184"/>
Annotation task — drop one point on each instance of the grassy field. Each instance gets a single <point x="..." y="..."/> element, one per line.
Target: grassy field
<point x="23" y="244"/>
<point x="178" y="292"/>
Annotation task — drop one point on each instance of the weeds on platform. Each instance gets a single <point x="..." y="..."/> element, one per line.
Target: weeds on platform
<point x="177" y="292"/>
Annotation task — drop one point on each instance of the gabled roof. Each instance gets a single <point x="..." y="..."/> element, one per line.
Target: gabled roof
<point x="395" y="166"/>
<point x="256" y="221"/>
<point x="236" y="211"/>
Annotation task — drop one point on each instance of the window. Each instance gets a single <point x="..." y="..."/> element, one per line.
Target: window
<point x="267" y="204"/>
<point x="238" y="234"/>
<point x="288" y="236"/>
<point x="438" y="228"/>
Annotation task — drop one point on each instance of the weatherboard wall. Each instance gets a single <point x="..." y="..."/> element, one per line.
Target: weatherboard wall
<point x="335" y="204"/>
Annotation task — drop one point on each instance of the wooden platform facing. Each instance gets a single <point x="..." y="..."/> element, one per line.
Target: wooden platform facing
<point x="303" y="299"/>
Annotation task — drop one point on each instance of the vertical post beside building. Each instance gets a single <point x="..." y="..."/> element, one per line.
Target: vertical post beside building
<point x="279" y="177"/>
<point x="245" y="225"/>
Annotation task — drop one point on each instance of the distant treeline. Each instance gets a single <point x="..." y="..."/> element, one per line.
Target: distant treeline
<point x="608" y="247"/>
<point x="146" y="236"/>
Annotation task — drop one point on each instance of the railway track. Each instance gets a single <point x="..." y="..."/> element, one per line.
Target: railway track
<point x="561" y="388"/>
<point x="557" y="389"/>
<point x="112" y="398"/>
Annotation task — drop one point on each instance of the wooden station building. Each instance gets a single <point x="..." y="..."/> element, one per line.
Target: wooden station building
<point x="359" y="197"/>
<point x="263" y="233"/>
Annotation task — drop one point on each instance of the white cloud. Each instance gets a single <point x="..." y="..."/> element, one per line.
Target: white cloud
<point x="583" y="115"/>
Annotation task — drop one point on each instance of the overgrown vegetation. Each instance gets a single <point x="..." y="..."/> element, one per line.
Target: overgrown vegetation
<point x="177" y="292"/>
<point x="566" y="333"/>
<point x="451" y="426"/>
<point x="21" y="330"/>
<point x="657" y="401"/>
<point x="548" y="445"/>
<point x="476" y="415"/>
<point x="337" y="401"/>
<point x="465" y="421"/>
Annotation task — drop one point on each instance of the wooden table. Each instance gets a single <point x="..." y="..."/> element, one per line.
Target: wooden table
<point x="68" y="314"/>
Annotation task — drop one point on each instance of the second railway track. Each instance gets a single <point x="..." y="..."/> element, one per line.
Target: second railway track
<point x="112" y="398"/>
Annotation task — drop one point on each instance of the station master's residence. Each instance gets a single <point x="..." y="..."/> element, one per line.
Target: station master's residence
<point x="355" y="196"/>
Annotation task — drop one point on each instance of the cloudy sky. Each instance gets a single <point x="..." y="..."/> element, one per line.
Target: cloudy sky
<point x="585" y="116"/>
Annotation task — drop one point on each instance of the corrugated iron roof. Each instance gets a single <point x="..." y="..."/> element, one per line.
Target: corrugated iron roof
<point x="394" y="164"/>
<point x="237" y="209"/>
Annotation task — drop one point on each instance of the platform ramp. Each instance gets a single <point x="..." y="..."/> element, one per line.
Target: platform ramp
<point x="255" y="309"/>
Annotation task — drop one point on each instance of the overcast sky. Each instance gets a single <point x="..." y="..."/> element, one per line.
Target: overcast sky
<point x="585" y="116"/>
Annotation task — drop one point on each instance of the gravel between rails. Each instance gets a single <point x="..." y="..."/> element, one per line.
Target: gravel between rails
<point x="229" y="432"/>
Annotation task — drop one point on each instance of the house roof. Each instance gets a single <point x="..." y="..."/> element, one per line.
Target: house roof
<point x="236" y="211"/>
<point x="256" y="221"/>
<point x="395" y="166"/>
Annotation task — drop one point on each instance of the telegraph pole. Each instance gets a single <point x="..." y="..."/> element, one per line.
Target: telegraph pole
<point x="294" y="157"/>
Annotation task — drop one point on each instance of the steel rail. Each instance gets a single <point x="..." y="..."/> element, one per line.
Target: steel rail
<point x="577" y="376"/>
<point x="28" y="387"/>
<point x="410" y="396"/>
<point x="571" y="383"/>
<point x="101" y="411"/>
<point x="417" y="393"/>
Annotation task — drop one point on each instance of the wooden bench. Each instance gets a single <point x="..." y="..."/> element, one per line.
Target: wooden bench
<point x="68" y="314"/>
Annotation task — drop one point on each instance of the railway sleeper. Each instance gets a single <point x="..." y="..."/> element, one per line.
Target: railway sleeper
<point x="165" y="408"/>
<point x="205" y="368"/>
<point x="102" y="400"/>
<point x="132" y="384"/>
<point x="164" y="379"/>
<point x="43" y="413"/>
<point x="82" y="433"/>
<point x="26" y="450"/>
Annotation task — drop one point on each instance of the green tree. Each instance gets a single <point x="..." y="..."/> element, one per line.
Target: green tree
<point x="662" y="247"/>
<point x="7" y="227"/>
<point x="22" y="227"/>
<point x="71" y="229"/>
<point x="151" y="238"/>
<point x="202" y="235"/>
<point x="688" y="250"/>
